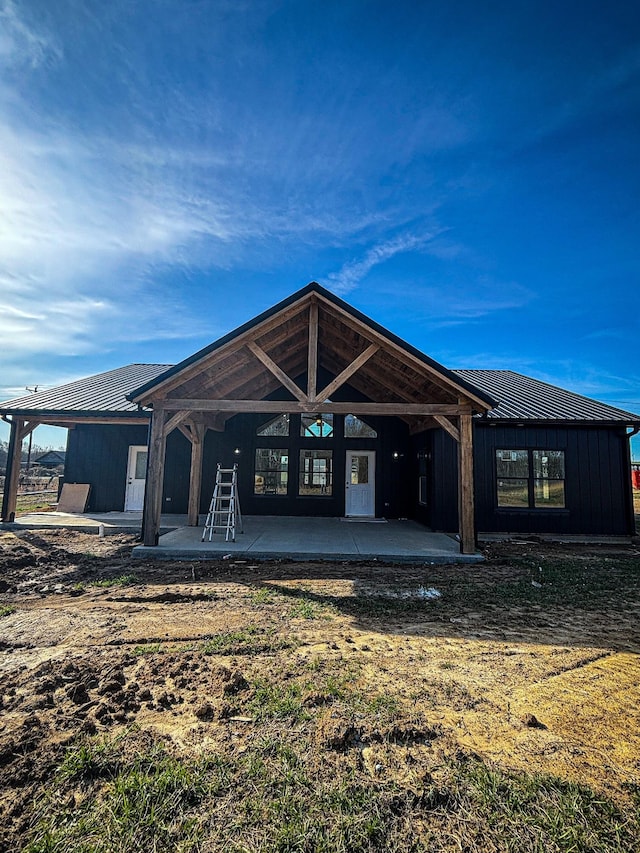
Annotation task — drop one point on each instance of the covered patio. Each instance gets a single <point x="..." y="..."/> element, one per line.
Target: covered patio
<point x="302" y="538"/>
<point x="310" y="358"/>
<point x="269" y="538"/>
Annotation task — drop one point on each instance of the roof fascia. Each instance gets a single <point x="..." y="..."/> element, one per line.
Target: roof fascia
<point x="74" y="414"/>
<point x="583" y="422"/>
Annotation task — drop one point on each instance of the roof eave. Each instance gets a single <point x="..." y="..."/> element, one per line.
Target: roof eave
<point x="83" y="414"/>
<point x="491" y="418"/>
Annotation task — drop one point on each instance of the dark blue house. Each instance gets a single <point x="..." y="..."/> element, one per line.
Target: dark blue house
<point x="327" y="413"/>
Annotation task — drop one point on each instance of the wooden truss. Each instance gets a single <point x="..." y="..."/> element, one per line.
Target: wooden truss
<point x="287" y="350"/>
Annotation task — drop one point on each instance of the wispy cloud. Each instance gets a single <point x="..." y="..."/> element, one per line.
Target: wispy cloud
<point x="20" y="44"/>
<point x="470" y="300"/>
<point x="353" y="272"/>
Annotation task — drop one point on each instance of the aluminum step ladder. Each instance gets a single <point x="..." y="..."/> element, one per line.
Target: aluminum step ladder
<point x="224" y="514"/>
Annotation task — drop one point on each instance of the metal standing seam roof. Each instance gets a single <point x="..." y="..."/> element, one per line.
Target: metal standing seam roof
<point x="523" y="398"/>
<point x="104" y="393"/>
<point x="520" y="397"/>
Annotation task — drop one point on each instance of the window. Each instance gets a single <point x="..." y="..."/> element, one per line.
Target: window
<point x="277" y="426"/>
<point x="271" y="471"/>
<point x="512" y="468"/>
<point x="316" y="426"/>
<point x="530" y="478"/>
<point x="355" y="428"/>
<point x="141" y="465"/>
<point x="316" y="473"/>
<point x="548" y="474"/>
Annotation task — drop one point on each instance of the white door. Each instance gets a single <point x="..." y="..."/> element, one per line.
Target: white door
<point x="136" y="476"/>
<point x="360" y="491"/>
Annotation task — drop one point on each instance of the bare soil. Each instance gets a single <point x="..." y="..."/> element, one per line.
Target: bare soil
<point x="530" y="661"/>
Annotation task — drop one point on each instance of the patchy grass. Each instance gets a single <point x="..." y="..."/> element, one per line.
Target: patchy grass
<point x="148" y="649"/>
<point x="6" y="610"/>
<point x="250" y="640"/>
<point x="500" y="717"/>
<point x="131" y="794"/>
<point x="273" y="701"/>
<point x="306" y="609"/>
<point x="120" y="580"/>
<point x="262" y="596"/>
<point x="44" y="502"/>
<point x="535" y="582"/>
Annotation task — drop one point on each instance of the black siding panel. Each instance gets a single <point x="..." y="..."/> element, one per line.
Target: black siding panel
<point x="97" y="454"/>
<point x="444" y="496"/>
<point x="177" y="469"/>
<point x="595" y="485"/>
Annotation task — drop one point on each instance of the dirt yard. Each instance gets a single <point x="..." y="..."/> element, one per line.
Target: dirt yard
<point x="388" y="676"/>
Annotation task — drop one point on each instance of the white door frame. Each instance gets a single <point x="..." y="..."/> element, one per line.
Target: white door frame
<point x="134" y="490"/>
<point x="360" y="499"/>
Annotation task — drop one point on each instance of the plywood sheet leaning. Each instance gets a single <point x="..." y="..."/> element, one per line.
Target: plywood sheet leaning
<point x="74" y="497"/>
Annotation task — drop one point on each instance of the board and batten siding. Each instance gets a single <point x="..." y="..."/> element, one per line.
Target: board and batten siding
<point x="98" y="454"/>
<point x="596" y="487"/>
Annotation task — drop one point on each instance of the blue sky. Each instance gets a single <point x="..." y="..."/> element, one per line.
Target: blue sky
<point x="468" y="174"/>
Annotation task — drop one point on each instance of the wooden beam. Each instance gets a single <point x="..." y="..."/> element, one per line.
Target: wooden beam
<point x="195" y="476"/>
<point x="446" y="425"/>
<point x="312" y="355"/>
<point x="186" y="431"/>
<point x="175" y="421"/>
<point x="196" y="386"/>
<point x="465" y="490"/>
<point x="348" y="372"/>
<point x="155" y="478"/>
<point x="291" y="406"/>
<point x="280" y="375"/>
<point x="27" y="429"/>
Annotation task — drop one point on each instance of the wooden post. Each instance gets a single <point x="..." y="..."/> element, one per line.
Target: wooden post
<point x="155" y="477"/>
<point x="19" y="431"/>
<point x="10" y="494"/>
<point x="465" y="487"/>
<point x="195" y="477"/>
<point x="312" y="354"/>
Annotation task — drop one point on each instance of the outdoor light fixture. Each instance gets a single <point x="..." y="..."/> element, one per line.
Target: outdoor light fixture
<point x="318" y="420"/>
<point x="397" y="455"/>
<point x="237" y="451"/>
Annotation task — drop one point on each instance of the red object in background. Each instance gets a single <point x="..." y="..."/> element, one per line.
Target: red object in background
<point x="635" y="478"/>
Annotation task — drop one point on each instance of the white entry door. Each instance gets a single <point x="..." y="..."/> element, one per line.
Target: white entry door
<point x="136" y="476"/>
<point x="360" y="491"/>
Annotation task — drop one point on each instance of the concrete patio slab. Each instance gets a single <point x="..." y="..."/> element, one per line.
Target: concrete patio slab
<point x="277" y="537"/>
<point x="113" y="522"/>
<point x="269" y="538"/>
